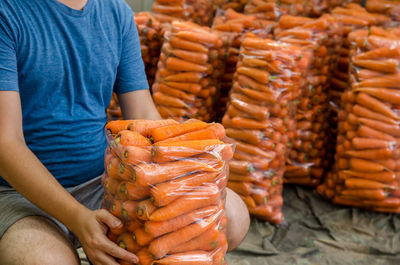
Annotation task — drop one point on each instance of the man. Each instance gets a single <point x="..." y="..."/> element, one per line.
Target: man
<point x="60" y="60"/>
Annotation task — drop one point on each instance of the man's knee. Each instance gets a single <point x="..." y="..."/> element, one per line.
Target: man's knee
<point x="238" y="219"/>
<point x="36" y="241"/>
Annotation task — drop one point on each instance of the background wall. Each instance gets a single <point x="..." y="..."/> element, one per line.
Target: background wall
<point x="140" y="5"/>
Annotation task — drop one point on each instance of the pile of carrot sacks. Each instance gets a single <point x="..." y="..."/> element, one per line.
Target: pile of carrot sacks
<point x="166" y="181"/>
<point x="367" y="152"/>
<point x="234" y="26"/>
<point x="261" y="120"/>
<point x="151" y="38"/>
<point x="189" y="68"/>
<point x="312" y="150"/>
<point x="197" y="11"/>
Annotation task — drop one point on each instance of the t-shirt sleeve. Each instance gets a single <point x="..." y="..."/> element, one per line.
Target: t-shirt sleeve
<point x="8" y="59"/>
<point x="131" y="75"/>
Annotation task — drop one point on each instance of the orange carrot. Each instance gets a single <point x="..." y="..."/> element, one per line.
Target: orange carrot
<point x="373" y="154"/>
<point x="175" y="93"/>
<point x="192" y="88"/>
<point x="213" y="131"/>
<point x="386" y="177"/>
<point x="163" y="99"/>
<point x="176" y="64"/>
<point x="207" y="241"/>
<point x="385" y="94"/>
<point x="180" y="43"/>
<point x="254" y="73"/>
<point x="166" y="132"/>
<point x="365" y="194"/>
<point x="245" y="123"/>
<point x="253" y="150"/>
<point x="204" y="196"/>
<point x="127" y="137"/>
<point x="133" y="155"/>
<point x="366" y="113"/>
<point x="164" y="244"/>
<point x="116" y="126"/>
<point x="128" y="210"/>
<point x="126" y="241"/>
<point x="141" y="237"/>
<point x="111" y="185"/>
<point x="381" y="126"/>
<point x="362" y="165"/>
<point x="369" y="102"/>
<point x="386" y="66"/>
<point x="199" y="37"/>
<point x="151" y="174"/>
<point x="190" y="56"/>
<point x="241" y="167"/>
<point x="187" y="258"/>
<point x="255" y="111"/>
<point x="144" y="209"/>
<point x="379" y="53"/>
<point x="158" y="228"/>
<point x="250" y="136"/>
<point x="189" y="77"/>
<point x="133" y="191"/>
<point x="144" y="127"/>
<point x="242" y="188"/>
<point x="356" y="183"/>
<point x="387" y="81"/>
<point x="145" y="257"/>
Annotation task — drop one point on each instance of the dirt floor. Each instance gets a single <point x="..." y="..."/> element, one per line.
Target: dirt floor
<point x="316" y="232"/>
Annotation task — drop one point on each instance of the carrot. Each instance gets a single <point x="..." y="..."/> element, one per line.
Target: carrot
<point x="158" y="8"/>
<point x="116" y="169"/>
<point x="262" y="211"/>
<point x="254" y="73"/>
<point x="385" y="94"/>
<point x="204" y="196"/>
<point x="242" y="188"/>
<point x="180" y="43"/>
<point x="207" y="241"/>
<point x="388" y="81"/>
<point x="253" y="150"/>
<point x="141" y="237"/>
<point x="126" y="241"/>
<point x="362" y="165"/>
<point x="111" y="185"/>
<point x="128" y="210"/>
<point x="189" y="77"/>
<point x="365" y="194"/>
<point x="192" y="88"/>
<point x="145" y="126"/>
<point x="379" y="53"/>
<point x="152" y="174"/>
<point x="199" y="37"/>
<point x="250" y="136"/>
<point x="162" y="99"/>
<point x="166" y="132"/>
<point x="364" y="74"/>
<point x="245" y="123"/>
<point x="188" y="258"/>
<point x="229" y="27"/>
<point x="164" y="193"/>
<point x="366" y="113"/>
<point x="258" y="95"/>
<point x="127" y="137"/>
<point x="255" y="111"/>
<point x="144" y="209"/>
<point x="167" y="151"/>
<point x="381" y="126"/>
<point x="175" y="93"/>
<point x="145" y="257"/>
<point x="176" y="64"/>
<point x="288" y="21"/>
<point x="347" y="201"/>
<point x="369" y="102"/>
<point x="386" y="66"/>
<point x="246" y="82"/>
<point x="132" y="225"/>
<point x="386" y="203"/>
<point x="386" y="177"/>
<point x="114" y="127"/>
<point x="374" y="154"/>
<point x="213" y="131"/>
<point x="133" y="191"/>
<point x="258" y="162"/>
<point x="164" y="244"/>
<point x="158" y="228"/>
<point x="190" y="56"/>
<point x="241" y="167"/>
<point x="174" y="112"/>
<point x="356" y="183"/>
<point x="132" y="155"/>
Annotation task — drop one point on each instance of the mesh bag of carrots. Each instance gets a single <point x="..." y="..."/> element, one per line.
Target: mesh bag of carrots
<point x="261" y="120"/>
<point x="235" y="25"/>
<point x="311" y="150"/>
<point x="190" y="65"/>
<point x="197" y="11"/>
<point x="151" y="38"/>
<point x="274" y="9"/>
<point x="367" y="152"/>
<point x="166" y="181"/>
<point x="389" y="8"/>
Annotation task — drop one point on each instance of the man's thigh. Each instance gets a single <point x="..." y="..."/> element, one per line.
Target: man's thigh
<point x="36" y="240"/>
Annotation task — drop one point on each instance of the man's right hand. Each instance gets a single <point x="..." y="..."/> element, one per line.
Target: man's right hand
<point x="91" y="229"/>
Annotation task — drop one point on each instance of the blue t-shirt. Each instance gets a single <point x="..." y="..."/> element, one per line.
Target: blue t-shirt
<point x="65" y="64"/>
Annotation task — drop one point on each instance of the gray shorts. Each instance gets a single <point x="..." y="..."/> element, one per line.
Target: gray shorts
<point x="14" y="207"/>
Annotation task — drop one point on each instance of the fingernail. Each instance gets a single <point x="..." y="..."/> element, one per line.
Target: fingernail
<point x="117" y="224"/>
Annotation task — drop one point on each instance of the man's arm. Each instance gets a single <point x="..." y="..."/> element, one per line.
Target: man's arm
<point x="138" y="105"/>
<point x="23" y="170"/>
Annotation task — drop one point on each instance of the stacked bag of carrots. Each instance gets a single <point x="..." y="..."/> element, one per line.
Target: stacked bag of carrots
<point x="114" y="110"/>
<point x="189" y="68"/>
<point x="197" y="11"/>
<point x="274" y="9"/>
<point x="390" y="8"/>
<point x="166" y="181"/>
<point x="311" y="152"/>
<point x="151" y="38"/>
<point x="352" y="17"/>
<point x="235" y="25"/>
<point x="367" y="152"/>
<point x="261" y="120"/>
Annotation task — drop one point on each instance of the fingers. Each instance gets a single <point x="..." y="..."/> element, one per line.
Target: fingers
<point x="108" y="219"/>
<point x="115" y="251"/>
<point x="103" y="259"/>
